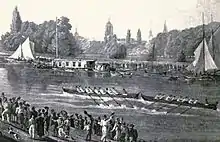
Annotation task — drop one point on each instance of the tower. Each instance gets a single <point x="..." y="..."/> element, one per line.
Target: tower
<point x="165" y="30"/>
<point x="150" y="35"/>
<point x="108" y="31"/>
<point x="76" y="34"/>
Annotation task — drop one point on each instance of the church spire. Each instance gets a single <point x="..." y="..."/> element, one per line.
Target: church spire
<point x="165" y="30"/>
<point x="76" y="34"/>
<point x="150" y="34"/>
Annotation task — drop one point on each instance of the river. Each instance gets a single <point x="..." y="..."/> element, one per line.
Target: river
<point x="43" y="88"/>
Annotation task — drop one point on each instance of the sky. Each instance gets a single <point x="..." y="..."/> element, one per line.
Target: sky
<point x="90" y="16"/>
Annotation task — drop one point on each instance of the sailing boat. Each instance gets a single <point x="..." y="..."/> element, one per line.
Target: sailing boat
<point x="203" y="63"/>
<point x="23" y="52"/>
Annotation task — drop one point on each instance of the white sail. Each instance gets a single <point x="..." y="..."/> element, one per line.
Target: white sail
<point x="17" y="54"/>
<point x="202" y="63"/>
<point x="27" y="52"/>
<point x="209" y="62"/>
<point x="24" y="51"/>
<point x="215" y="41"/>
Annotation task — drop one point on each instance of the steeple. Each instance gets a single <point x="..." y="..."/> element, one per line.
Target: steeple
<point x="165" y="30"/>
<point x="150" y="34"/>
<point x="108" y="31"/>
<point x="76" y="33"/>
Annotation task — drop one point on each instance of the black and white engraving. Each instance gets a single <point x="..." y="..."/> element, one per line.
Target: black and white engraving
<point x="109" y="70"/>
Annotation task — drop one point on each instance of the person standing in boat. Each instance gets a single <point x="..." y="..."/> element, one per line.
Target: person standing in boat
<point x="104" y="124"/>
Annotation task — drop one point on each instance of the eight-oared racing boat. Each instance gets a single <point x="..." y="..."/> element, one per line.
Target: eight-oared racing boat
<point x="180" y="101"/>
<point x="100" y="92"/>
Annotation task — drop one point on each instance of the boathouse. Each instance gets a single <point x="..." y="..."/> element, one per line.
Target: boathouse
<point x="74" y="63"/>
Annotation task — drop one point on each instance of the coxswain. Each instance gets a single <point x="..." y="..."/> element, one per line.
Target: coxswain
<point x="96" y="91"/>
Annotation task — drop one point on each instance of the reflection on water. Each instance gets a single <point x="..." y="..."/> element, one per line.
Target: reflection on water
<point x="44" y="88"/>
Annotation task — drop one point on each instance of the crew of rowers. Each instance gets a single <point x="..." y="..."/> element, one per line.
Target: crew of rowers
<point x="99" y="91"/>
<point x="180" y="99"/>
<point x="45" y="121"/>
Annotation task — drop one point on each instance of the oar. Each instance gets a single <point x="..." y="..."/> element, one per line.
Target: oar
<point x="150" y="104"/>
<point x="92" y="98"/>
<point x="113" y="98"/>
<point x="125" y="99"/>
<point x="100" y="97"/>
<point x="186" y="110"/>
<point x="161" y="107"/>
<point x="174" y="108"/>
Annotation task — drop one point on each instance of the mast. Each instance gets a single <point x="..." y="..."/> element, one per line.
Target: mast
<point x="22" y="56"/>
<point x="203" y="38"/>
<point x="213" y="48"/>
<point x="57" y="39"/>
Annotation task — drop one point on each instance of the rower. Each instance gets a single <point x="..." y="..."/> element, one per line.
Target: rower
<point x="90" y="90"/>
<point x="157" y="96"/>
<point x="114" y="91"/>
<point x="168" y="98"/>
<point x="96" y="91"/>
<point x="191" y="101"/>
<point x="185" y="100"/>
<point x="102" y="91"/>
<point x="195" y="102"/>
<point x="172" y="98"/>
<point x="179" y="99"/>
<point x="87" y="90"/>
<point x="77" y="89"/>
<point x="109" y="91"/>
<point x="162" y="96"/>
<point x="81" y="89"/>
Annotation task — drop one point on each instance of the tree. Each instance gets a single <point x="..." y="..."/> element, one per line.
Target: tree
<point x="181" y="57"/>
<point x="139" y="36"/>
<point x="16" y="21"/>
<point x="128" y="37"/>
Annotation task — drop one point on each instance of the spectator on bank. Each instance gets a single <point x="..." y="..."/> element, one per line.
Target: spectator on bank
<point x="32" y="127"/>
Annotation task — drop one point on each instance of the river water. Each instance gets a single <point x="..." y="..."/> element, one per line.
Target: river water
<point x="43" y="88"/>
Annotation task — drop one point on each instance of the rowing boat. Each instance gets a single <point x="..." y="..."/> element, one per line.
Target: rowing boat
<point x="143" y="97"/>
<point x="101" y="93"/>
<point x="197" y="105"/>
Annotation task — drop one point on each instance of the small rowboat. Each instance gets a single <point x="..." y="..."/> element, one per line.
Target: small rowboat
<point x="186" y="103"/>
<point x="101" y="93"/>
